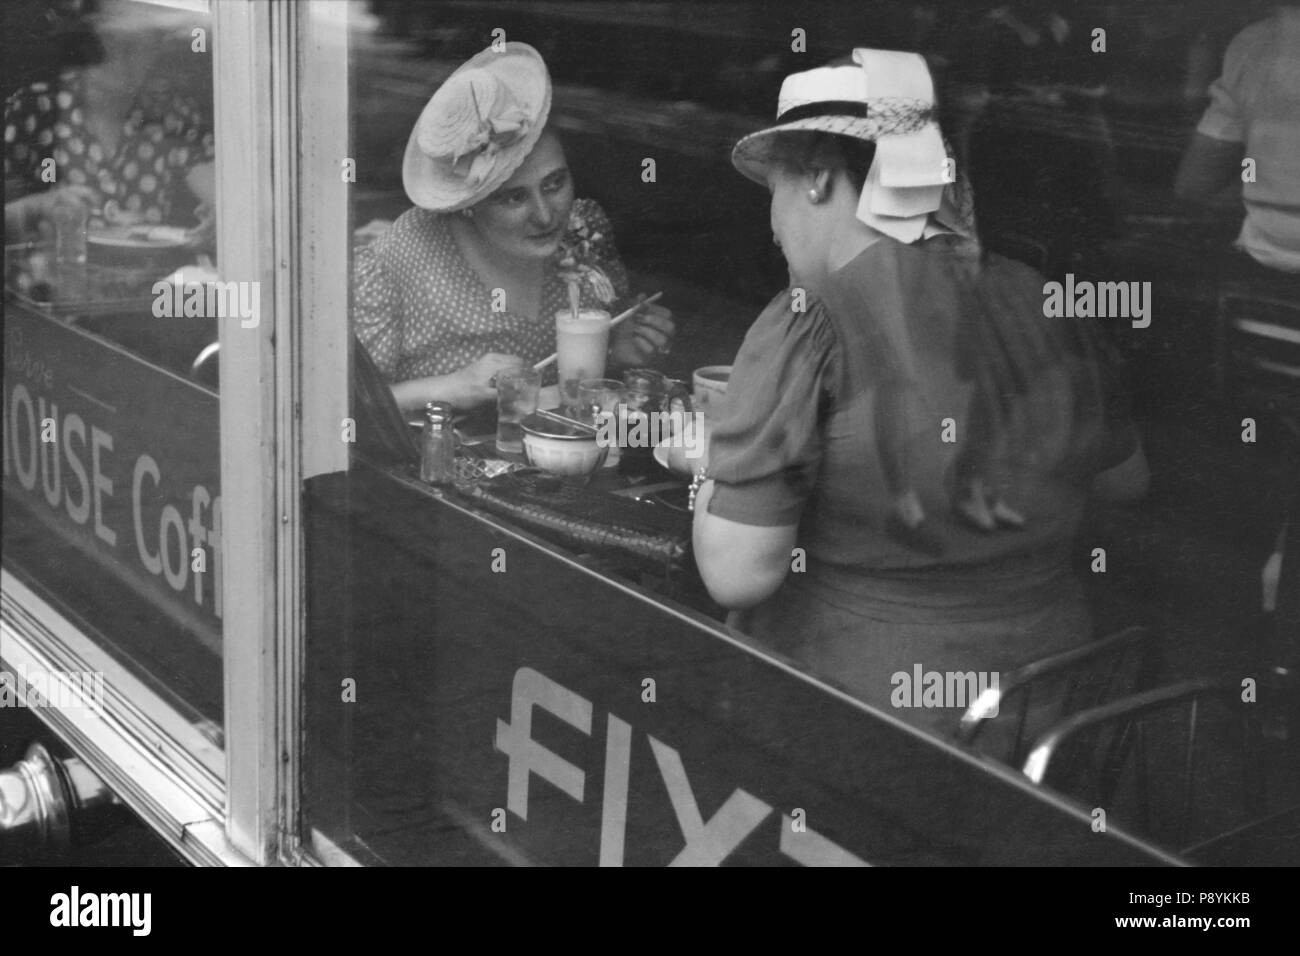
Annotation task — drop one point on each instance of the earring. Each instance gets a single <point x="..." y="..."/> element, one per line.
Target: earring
<point x="468" y="212"/>
<point x="814" y="196"/>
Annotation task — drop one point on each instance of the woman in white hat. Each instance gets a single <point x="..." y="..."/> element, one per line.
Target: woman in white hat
<point x="908" y="442"/>
<point x="468" y="282"/>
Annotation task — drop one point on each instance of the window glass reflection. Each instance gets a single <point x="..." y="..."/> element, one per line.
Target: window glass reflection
<point x="1028" y="420"/>
<point x="111" y="415"/>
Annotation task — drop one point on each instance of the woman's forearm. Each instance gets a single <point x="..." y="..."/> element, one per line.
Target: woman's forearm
<point x="414" y="394"/>
<point x="741" y="565"/>
<point x="19" y="216"/>
<point x="15" y="221"/>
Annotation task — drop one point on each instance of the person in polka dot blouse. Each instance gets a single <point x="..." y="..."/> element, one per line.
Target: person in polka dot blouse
<point x="468" y="282"/>
<point x="128" y="137"/>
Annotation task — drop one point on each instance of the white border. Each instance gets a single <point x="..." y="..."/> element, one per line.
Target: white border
<point x="163" y="769"/>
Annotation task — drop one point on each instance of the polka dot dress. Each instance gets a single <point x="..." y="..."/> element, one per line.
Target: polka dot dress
<point x="421" y="310"/>
<point x="164" y="135"/>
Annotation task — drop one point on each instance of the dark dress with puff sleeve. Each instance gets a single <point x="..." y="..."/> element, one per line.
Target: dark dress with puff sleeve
<point x="918" y="370"/>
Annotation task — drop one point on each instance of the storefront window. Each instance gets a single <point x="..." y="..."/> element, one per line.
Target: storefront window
<point x="510" y="472"/>
<point x="113" y="506"/>
<point x="509" y="664"/>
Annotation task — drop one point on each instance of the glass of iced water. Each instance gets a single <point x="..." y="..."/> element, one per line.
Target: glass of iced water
<point x="517" y="390"/>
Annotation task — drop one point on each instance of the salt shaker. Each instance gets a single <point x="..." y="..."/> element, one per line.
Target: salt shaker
<point x="438" y="445"/>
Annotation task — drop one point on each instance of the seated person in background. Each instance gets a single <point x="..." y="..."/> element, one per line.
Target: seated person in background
<point x="130" y="133"/>
<point x="920" y="430"/>
<point x="1254" y="113"/>
<point x="495" y="214"/>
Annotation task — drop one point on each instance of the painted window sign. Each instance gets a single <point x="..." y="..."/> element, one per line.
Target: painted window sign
<point x="119" y="458"/>
<point x="707" y="842"/>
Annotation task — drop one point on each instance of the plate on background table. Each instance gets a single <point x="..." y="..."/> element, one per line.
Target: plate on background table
<point x="142" y="238"/>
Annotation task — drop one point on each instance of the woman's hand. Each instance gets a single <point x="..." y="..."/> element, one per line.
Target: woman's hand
<point x="643" y="339"/>
<point x="23" y="215"/>
<point x="204" y="235"/>
<point x="469" y="387"/>
<point x="479" y="379"/>
<point x="465" y="389"/>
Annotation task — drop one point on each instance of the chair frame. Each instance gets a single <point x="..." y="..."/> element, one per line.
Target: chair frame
<point x="1131" y="709"/>
<point x="1227" y="325"/>
<point x="989" y="703"/>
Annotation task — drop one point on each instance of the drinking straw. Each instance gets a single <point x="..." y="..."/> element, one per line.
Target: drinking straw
<point x="612" y="322"/>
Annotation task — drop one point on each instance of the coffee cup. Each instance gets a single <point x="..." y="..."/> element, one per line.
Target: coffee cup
<point x="686" y="448"/>
<point x="709" y="390"/>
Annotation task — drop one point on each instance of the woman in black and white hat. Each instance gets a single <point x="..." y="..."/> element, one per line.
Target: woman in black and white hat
<point x="468" y="282"/>
<point x="908" y="442"/>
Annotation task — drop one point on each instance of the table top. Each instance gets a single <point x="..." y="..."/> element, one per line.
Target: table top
<point x="34" y="278"/>
<point x="1272" y="841"/>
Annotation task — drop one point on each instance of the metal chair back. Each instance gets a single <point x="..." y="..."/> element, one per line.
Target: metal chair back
<point x="1028" y="701"/>
<point x="1176" y="764"/>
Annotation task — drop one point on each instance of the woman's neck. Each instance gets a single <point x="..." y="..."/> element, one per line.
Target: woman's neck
<point x="489" y="258"/>
<point x="521" y="278"/>
<point x="126" y="63"/>
<point x="847" y="237"/>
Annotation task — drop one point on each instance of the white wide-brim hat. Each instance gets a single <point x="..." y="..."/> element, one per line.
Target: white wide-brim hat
<point x="886" y="97"/>
<point x="477" y="128"/>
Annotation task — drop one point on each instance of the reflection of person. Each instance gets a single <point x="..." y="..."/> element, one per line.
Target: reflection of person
<point x="1254" y="113"/>
<point x="468" y="283"/>
<point x="921" y="431"/>
<point x="127" y="138"/>
<point x="1036" y="136"/>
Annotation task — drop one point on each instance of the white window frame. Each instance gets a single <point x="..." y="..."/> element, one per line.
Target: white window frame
<point x="250" y="248"/>
<point x="287" y="205"/>
<point x="320" y="350"/>
<point x="284" y="222"/>
<point x="162" y="767"/>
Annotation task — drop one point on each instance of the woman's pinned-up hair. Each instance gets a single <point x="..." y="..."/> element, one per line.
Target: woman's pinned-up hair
<point x="804" y="151"/>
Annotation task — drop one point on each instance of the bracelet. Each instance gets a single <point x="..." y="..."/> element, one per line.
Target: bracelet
<point x="696" y="483"/>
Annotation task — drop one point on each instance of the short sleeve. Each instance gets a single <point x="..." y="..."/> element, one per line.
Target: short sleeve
<point x="375" y="314"/>
<point x="186" y="122"/>
<point x="195" y="142"/>
<point x="176" y="99"/>
<point x="765" y="452"/>
<point x="27" y="135"/>
<point x="1227" y="116"/>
